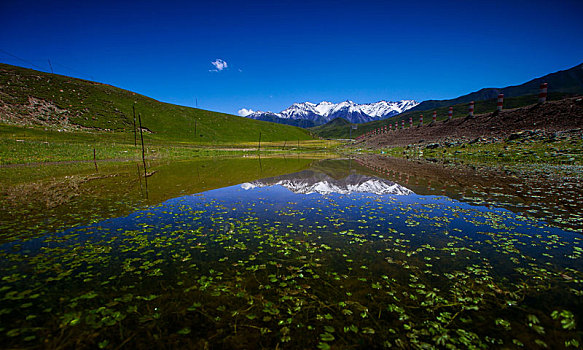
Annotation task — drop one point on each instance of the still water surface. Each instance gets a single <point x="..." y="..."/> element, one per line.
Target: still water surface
<point x="291" y="253"/>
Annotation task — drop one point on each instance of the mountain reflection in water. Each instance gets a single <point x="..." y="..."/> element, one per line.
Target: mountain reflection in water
<point x="310" y="181"/>
<point x="330" y="256"/>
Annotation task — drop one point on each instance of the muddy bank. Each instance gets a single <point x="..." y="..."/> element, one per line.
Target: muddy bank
<point x="554" y="194"/>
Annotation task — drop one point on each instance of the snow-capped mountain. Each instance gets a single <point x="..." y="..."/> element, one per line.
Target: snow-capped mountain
<point x="324" y="112"/>
<point x="309" y="181"/>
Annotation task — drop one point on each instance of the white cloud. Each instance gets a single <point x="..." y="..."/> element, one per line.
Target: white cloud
<point x="243" y="112"/>
<point x="219" y="65"/>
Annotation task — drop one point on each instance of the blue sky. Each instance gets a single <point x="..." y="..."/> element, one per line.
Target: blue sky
<point x="281" y="52"/>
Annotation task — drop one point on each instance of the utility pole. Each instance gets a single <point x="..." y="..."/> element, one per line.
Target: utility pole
<point x="135" y="134"/>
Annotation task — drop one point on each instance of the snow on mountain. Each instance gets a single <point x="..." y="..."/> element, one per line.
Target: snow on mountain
<point x="324" y="112"/>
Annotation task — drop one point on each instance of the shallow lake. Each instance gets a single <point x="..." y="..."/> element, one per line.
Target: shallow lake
<point x="285" y="253"/>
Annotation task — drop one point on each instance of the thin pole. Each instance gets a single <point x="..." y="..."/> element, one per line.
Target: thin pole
<point x="542" y="95"/>
<point x="500" y="102"/>
<point x="140" y="177"/>
<point x="135" y="134"/>
<point x="95" y="160"/>
<point x="143" y="155"/>
<point x="260" y="141"/>
<point x="143" y="152"/>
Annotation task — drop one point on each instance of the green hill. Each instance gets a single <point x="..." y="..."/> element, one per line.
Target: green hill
<point x="561" y="84"/>
<point x="29" y="98"/>
<point x="336" y="128"/>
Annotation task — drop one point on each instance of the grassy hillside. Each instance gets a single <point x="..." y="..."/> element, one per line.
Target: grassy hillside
<point x="336" y="128"/>
<point x="561" y="84"/>
<point x="29" y="97"/>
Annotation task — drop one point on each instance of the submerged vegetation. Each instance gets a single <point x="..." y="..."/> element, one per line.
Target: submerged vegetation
<point x="237" y="267"/>
<point x="38" y="200"/>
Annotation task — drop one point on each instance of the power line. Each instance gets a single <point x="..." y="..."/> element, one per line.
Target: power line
<point x="74" y="71"/>
<point x="23" y="60"/>
<point x="50" y="65"/>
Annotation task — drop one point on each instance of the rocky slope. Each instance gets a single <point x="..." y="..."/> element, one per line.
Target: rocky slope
<point x="566" y="114"/>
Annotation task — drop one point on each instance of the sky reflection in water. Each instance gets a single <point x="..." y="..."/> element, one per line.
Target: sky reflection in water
<point x="305" y="259"/>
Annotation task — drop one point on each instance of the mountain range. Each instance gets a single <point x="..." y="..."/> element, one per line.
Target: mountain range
<point x="309" y="181"/>
<point x="309" y="114"/>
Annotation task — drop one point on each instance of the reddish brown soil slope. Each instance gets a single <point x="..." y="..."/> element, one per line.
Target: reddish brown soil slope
<point x="552" y="116"/>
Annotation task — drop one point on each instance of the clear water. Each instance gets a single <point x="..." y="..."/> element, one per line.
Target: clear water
<point x="328" y="256"/>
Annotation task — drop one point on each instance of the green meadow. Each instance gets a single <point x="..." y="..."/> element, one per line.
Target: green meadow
<point x="49" y="117"/>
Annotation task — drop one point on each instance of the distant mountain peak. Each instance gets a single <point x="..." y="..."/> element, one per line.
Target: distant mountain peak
<point x="323" y="112"/>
